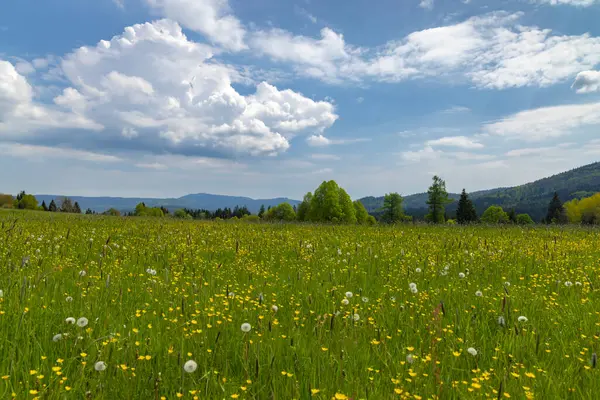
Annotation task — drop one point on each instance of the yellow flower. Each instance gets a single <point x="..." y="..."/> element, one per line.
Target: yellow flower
<point x="398" y="391"/>
<point x="33" y="391"/>
<point x="529" y="375"/>
<point x="5" y="377"/>
<point x="179" y="395"/>
<point x="314" y="391"/>
<point x="340" y="396"/>
<point x="67" y="388"/>
<point x="506" y="395"/>
<point x="83" y="355"/>
<point x="324" y="348"/>
<point x="235" y="396"/>
<point x="456" y="353"/>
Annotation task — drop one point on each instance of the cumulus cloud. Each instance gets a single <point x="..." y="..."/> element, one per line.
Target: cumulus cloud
<point x="456" y="141"/>
<point x="426" y="4"/>
<point x="546" y="122"/>
<point x="587" y="82"/>
<point x="155" y="90"/>
<point x="37" y="153"/>
<point x="212" y="18"/>
<point x="577" y="3"/>
<point x="322" y="141"/>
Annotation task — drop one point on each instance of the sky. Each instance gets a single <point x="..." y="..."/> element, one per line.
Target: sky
<point x="268" y="98"/>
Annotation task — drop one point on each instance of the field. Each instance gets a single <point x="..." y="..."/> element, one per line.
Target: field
<point x="493" y="312"/>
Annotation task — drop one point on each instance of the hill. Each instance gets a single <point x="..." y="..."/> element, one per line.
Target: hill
<point x="531" y="198"/>
<point x="194" y="201"/>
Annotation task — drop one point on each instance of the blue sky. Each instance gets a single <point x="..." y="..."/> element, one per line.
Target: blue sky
<point x="269" y="98"/>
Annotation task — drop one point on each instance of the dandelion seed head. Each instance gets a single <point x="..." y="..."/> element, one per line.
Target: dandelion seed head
<point x="246" y="327"/>
<point x="57" y="337"/>
<point x="478" y="293"/>
<point x="472" y="351"/>
<point x="356" y="317"/>
<point x="82" y="322"/>
<point x="190" y="366"/>
<point x="349" y="295"/>
<point x="522" y="318"/>
<point x="100" y="366"/>
<point x="70" y="320"/>
<point x="345" y="302"/>
<point x="461" y="275"/>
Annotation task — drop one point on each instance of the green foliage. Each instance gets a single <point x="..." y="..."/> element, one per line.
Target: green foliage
<point x="524" y="219"/>
<point x="586" y="210"/>
<point x="281" y="212"/>
<point x="451" y="222"/>
<point x="392" y="208"/>
<point x="361" y="212"/>
<point x="6" y="201"/>
<point x="181" y="214"/>
<point x="303" y="210"/>
<point x="465" y="213"/>
<point x="348" y="213"/>
<point x="325" y="204"/>
<point x="251" y="218"/>
<point x="437" y="200"/>
<point x="142" y="211"/>
<point x="371" y="220"/>
<point x="556" y="212"/>
<point x="111" y="211"/>
<point x="25" y="202"/>
<point x="494" y="215"/>
<point x="52" y="207"/>
<point x="262" y="210"/>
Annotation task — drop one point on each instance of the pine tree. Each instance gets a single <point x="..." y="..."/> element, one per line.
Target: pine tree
<point x="556" y="212"/>
<point x="465" y="212"/>
<point x="261" y="212"/>
<point x="438" y="198"/>
<point x="44" y="206"/>
<point x="89" y="211"/>
<point x="52" y="206"/>
<point x="76" y="208"/>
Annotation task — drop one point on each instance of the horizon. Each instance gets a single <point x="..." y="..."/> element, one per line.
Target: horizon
<point x="164" y="98"/>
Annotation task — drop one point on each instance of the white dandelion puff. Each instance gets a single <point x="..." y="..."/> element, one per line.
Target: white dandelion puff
<point x="418" y="270"/>
<point x="414" y="290"/>
<point x="69" y="299"/>
<point x="274" y="308"/>
<point x="246" y="327"/>
<point x="349" y="295"/>
<point x="472" y="351"/>
<point x="100" y="366"/>
<point x="507" y="284"/>
<point x="151" y="271"/>
<point x="568" y="283"/>
<point x="70" y="320"/>
<point x="478" y="293"/>
<point x="501" y="321"/>
<point x="410" y="359"/>
<point x="522" y="318"/>
<point x="190" y="366"/>
<point x="1" y="293"/>
<point x="57" y="337"/>
<point x="82" y="322"/>
<point x="82" y="273"/>
<point x="365" y="299"/>
<point x="356" y="317"/>
<point x="412" y="285"/>
<point x="345" y="302"/>
<point x="461" y="275"/>
<point x="577" y="283"/>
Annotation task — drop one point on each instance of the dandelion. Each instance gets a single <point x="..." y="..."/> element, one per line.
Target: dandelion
<point x="151" y="271"/>
<point x="393" y="298"/>
<point x="412" y="285"/>
<point x="274" y="308"/>
<point x="70" y="320"/>
<point x="356" y="317"/>
<point x="522" y="319"/>
<point x="349" y="295"/>
<point x="410" y="359"/>
<point x="478" y="293"/>
<point x="365" y="299"/>
<point x="414" y="290"/>
<point x="69" y="299"/>
<point x="57" y="337"/>
<point x="501" y="321"/>
<point x="1" y="293"/>
<point x="231" y="294"/>
<point x="568" y="283"/>
<point x="507" y="284"/>
<point x="345" y="302"/>
<point x="472" y="351"/>
<point x="418" y="270"/>
<point x="246" y="327"/>
<point x="461" y="275"/>
<point x="100" y="366"/>
<point x="82" y="322"/>
<point x="190" y="366"/>
<point x="82" y="273"/>
<point x="577" y="283"/>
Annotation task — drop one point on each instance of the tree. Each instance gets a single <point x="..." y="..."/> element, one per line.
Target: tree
<point x="66" y="205"/>
<point x="524" y="219"/>
<point x="52" y="207"/>
<point x="512" y="215"/>
<point x="392" y="208"/>
<point x="494" y="215"/>
<point x="348" y="213"/>
<point x="26" y="202"/>
<point x="361" y="212"/>
<point x="113" y="212"/>
<point x="437" y="200"/>
<point x="44" y="206"/>
<point x="281" y="212"/>
<point x="371" y="220"/>
<point x="6" y="201"/>
<point x="261" y="212"/>
<point x="303" y="210"/>
<point x="586" y="210"/>
<point x="90" y="212"/>
<point x="76" y="208"/>
<point x="556" y="212"/>
<point x="325" y="203"/>
<point x="465" y="212"/>
<point x="181" y="214"/>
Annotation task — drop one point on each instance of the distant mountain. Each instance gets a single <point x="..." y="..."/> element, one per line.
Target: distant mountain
<point x="195" y="201"/>
<point x="531" y="198"/>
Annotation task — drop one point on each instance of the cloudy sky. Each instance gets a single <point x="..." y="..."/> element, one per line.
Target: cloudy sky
<point x="269" y="98"/>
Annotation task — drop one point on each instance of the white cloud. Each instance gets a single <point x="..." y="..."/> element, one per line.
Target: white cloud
<point x="456" y="110"/>
<point x="577" y="3"/>
<point x="587" y="82"/>
<point x="119" y="3"/>
<point x="212" y="18"/>
<point x="426" y="153"/>
<point x="456" y="141"/>
<point x="323" y="156"/>
<point x="426" y="4"/>
<point x="162" y="92"/>
<point x="322" y="141"/>
<point x="546" y="122"/>
<point x="36" y="153"/>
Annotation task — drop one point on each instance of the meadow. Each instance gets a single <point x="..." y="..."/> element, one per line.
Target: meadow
<point x="113" y="308"/>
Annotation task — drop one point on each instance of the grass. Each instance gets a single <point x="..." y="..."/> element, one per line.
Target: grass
<point x="210" y="278"/>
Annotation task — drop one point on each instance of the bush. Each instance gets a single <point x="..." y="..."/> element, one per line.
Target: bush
<point x="494" y="215"/>
<point x="524" y="219"/>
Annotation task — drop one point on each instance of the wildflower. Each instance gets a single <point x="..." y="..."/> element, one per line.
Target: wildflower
<point x="190" y="366"/>
<point x="151" y="271"/>
<point x="478" y="293"/>
<point x="410" y="359"/>
<point x="349" y="295"/>
<point x="393" y="298"/>
<point x="356" y="317"/>
<point x="57" y="337"/>
<point x="412" y="285"/>
<point x="246" y="327"/>
<point x="577" y="283"/>
<point x="522" y="319"/>
<point x="461" y="275"/>
<point x="100" y="366"/>
<point x="231" y="294"/>
<point x="340" y="396"/>
<point x="70" y="320"/>
<point x="365" y="299"/>
<point x="345" y="302"/>
<point x="568" y="283"/>
<point x="418" y="270"/>
<point x="507" y="284"/>
<point x="82" y="273"/>
<point x="472" y="351"/>
<point x="274" y="308"/>
<point x="82" y="322"/>
<point x="1" y="293"/>
<point x="501" y="321"/>
<point x="314" y="391"/>
<point x="69" y="299"/>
